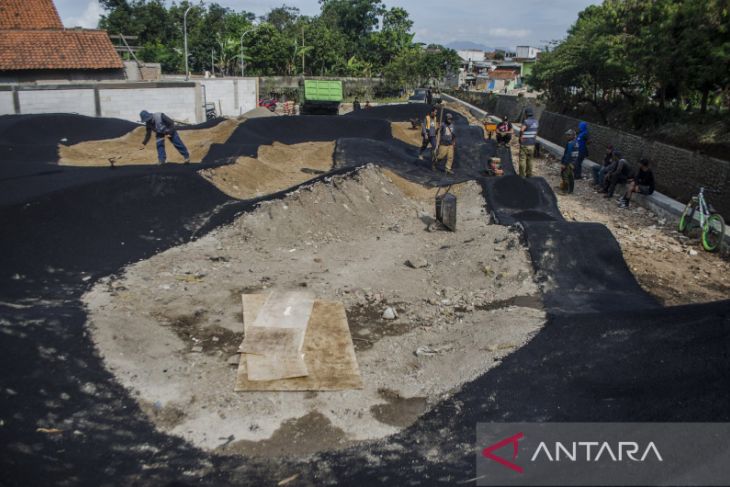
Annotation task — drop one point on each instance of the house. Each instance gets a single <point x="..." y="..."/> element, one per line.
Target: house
<point x="502" y="79"/>
<point x="470" y="55"/>
<point x="34" y="46"/>
<point x="527" y="52"/>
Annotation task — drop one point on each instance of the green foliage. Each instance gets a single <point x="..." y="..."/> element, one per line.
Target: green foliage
<point x="360" y="38"/>
<point x="641" y="52"/>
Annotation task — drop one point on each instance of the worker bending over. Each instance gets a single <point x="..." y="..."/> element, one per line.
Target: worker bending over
<point x="163" y="126"/>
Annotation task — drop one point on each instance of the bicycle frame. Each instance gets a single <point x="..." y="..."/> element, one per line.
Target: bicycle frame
<point x="703" y="208"/>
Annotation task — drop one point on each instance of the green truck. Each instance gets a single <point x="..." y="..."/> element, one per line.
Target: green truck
<point x="321" y="97"/>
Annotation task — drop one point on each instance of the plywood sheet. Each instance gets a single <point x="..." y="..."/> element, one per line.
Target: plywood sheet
<point x="271" y="341"/>
<point x="275" y="367"/>
<point x="329" y="354"/>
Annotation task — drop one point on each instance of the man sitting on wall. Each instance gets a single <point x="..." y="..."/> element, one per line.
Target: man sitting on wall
<point x="163" y="126"/>
<point x="620" y="173"/>
<point x="599" y="172"/>
<point x="643" y="183"/>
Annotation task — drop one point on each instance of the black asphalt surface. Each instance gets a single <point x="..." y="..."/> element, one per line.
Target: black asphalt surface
<point x="607" y="353"/>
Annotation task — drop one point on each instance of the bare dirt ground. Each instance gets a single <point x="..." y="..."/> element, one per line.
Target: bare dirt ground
<point x="277" y="167"/>
<point x="169" y="327"/>
<point x="405" y="132"/>
<point x="667" y="264"/>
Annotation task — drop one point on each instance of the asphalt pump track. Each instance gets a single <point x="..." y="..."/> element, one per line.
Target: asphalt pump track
<point x="608" y="353"/>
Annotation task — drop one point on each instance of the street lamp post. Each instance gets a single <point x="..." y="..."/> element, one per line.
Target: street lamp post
<point x="185" y="36"/>
<point x="243" y="69"/>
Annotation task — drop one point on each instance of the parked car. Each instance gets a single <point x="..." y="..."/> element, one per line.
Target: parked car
<point x="419" y="96"/>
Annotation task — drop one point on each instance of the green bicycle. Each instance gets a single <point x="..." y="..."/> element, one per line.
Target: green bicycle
<point x="711" y="223"/>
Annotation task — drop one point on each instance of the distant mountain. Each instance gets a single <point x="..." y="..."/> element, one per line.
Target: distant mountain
<point x="456" y="45"/>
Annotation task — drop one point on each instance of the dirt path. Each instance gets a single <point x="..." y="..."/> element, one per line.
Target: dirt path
<point x="169" y="325"/>
<point x="667" y="264"/>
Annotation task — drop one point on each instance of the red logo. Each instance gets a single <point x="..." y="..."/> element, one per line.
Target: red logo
<point x="514" y="440"/>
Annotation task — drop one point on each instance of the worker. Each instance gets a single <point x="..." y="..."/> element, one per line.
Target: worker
<point x="429" y="127"/>
<point x="528" y="138"/>
<point x="446" y="144"/>
<point x="163" y="126"/>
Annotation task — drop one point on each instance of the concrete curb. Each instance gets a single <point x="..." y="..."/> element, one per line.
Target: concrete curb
<point x="657" y="202"/>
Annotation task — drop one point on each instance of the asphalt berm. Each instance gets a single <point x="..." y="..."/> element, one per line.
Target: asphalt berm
<point x="607" y="351"/>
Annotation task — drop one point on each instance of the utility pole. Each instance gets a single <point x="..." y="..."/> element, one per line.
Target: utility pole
<point x="212" y="63"/>
<point x="302" y="50"/>
<point x="185" y="36"/>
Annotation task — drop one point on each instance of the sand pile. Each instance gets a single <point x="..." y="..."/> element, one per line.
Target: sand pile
<point x="277" y="167"/>
<point x="258" y="112"/>
<point x="169" y="326"/>
<point x="125" y="150"/>
<point x="405" y="132"/>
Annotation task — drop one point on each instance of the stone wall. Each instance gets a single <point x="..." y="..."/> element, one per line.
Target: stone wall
<point x="500" y="105"/>
<point x="679" y="173"/>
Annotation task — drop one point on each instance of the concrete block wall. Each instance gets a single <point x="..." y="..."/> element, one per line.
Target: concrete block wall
<point x="233" y="97"/>
<point x="177" y="100"/>
<point x="71" y="100"/>
<point x="181" y="100"/>
<point x="7" y="105"/>
<point x="679" y="173"/>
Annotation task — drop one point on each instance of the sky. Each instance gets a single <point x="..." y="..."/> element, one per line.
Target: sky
<point x="494" y="23"/>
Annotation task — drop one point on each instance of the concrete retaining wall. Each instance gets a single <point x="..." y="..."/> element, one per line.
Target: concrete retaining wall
<point x="679" y="172"/>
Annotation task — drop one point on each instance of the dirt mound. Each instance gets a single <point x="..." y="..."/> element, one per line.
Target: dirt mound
<point x="510" y="198"/>
<point x="276" y="167"/>
<point x="36" y="138"/>
<point x="125" y="150"/>
<point x="55" y="128"/>
<point x="168" y="326"/>
<point x="402" y="112"/>
<point x="259" y="112"/>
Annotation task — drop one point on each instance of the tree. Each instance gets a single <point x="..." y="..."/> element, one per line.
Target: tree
<point x="282" y="18"/>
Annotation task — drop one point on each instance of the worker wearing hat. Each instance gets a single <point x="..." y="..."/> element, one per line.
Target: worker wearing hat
<point x="446" y="144"/>
<point x="163" y="126"/>
<point x="528" y="139"/>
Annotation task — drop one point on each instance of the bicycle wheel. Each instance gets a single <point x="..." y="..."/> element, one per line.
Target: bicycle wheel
<point x="685" y="221"/>
<point x="713" y="233"/>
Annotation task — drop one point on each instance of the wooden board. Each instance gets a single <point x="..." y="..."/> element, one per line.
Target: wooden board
<point x="329" y="354"/>
<point x="286" y="309"/>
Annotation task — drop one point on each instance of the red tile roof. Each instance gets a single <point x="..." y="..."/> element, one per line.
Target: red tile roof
<point x="29" y="14"/>
<point x="59" y="49"/>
